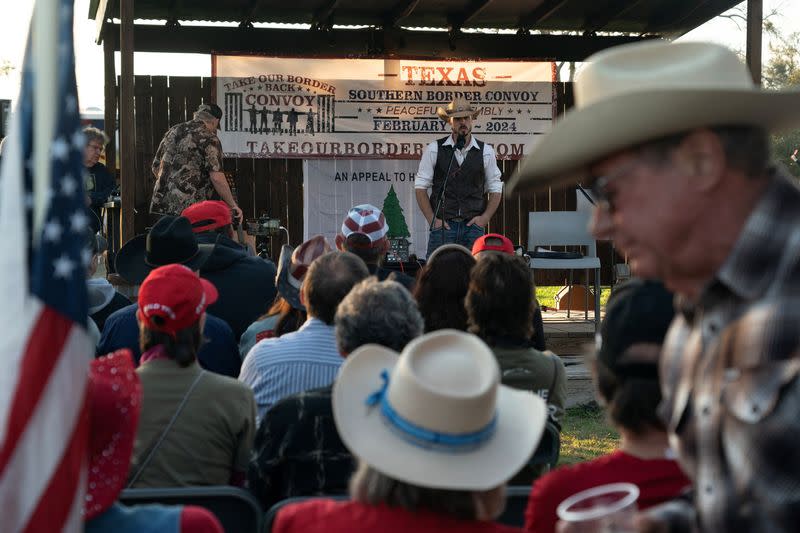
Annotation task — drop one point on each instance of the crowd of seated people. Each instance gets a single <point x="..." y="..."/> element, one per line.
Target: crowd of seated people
<point x="275" y="430"/>
<point x="415" y="402"/>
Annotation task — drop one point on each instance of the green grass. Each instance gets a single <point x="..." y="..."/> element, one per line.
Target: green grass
<point x="545" y="295"/>
<point x="586" y="434"/>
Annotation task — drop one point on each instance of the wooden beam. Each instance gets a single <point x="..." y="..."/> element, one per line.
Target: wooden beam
<point x="540" y="13"/>
<point x="459" y="20"/>
<point x="281" y="42"/>
<point x="110" y="105"/>
<point x="673" y="16"/>
<point x="323" y="15"/>
<point x="127" y="135"/>
<point x="400" y="11"/>
<point x="100" y="20"/>
<point x="249" y="12"/>
<point x="609" y="14"/>
<point x="174" y="9"/>
<point x="755" y="15"/>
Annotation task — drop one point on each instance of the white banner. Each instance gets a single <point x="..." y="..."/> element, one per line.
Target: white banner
<point x="332" y="187"/>
<point x="372" y="108"/>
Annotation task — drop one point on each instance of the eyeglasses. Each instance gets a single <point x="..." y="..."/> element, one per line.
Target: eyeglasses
<point x="603" y="196"/>
<point x="95" y="147"/>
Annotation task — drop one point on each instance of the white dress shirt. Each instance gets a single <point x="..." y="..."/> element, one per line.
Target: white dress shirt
<point x="424" y="177"/>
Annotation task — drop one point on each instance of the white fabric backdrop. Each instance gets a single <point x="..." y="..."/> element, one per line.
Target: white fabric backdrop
<point x="330" y="190"/>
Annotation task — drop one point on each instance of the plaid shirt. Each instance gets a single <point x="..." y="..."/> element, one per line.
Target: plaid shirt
<point x="297" y="450"/>
<point x="729" y="380"/>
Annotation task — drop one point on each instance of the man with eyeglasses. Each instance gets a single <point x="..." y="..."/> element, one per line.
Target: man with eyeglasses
<point x="99" y="182"/>
<point x="674" y="140"/>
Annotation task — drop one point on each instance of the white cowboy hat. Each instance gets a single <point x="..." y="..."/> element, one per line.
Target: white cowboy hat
<point x="634" y="93"/>
<point x="459" y="107"/>
<point x="440" y="418"/>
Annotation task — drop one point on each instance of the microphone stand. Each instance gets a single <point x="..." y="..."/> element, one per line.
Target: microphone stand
<point x="460" y="141"/>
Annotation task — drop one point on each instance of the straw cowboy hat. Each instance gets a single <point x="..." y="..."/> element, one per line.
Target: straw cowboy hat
<point x="436" y="415"/>
<point x="459" y="107"/>
<point x="634" y="93"/>
<point x="114" y="401"/>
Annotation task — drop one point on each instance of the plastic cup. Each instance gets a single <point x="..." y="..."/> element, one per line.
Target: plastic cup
<point x="604" y="509"/>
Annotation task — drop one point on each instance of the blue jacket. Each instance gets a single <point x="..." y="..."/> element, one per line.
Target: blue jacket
<point x="218" y="354"/>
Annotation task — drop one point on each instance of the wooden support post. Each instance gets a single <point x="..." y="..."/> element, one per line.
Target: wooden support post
<point x="755" y="14"/>
<point x="110" y="80"/>
<point x="127" y="135"/>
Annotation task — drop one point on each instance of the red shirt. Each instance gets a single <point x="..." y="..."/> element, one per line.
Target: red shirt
<point x="354" y="517"/>
<point x="658" y="480"/>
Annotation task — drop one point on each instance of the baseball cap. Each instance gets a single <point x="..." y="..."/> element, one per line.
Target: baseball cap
<point x="212" y="109"/>
<point x="492" y="242"/>
<point x="365" y="219"/>
<point x="208" y="215"/>
<point x="638" y="311"/>
<point x="173" y="297"/>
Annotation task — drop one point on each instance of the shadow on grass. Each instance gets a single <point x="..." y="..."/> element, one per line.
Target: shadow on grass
<point x="586" y="434"/>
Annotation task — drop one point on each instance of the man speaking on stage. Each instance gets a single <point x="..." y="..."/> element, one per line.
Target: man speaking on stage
<point x="459" y="170"/>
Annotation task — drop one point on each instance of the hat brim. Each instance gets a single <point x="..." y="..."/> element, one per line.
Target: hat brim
<point x="588" y="134"/>
<point x="520" y="423"/>
<point x="131" y="265"/>
<point x="290" y="293"/>
<point x="444" y="115"/>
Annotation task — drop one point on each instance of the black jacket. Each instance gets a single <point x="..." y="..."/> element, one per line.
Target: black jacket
<point x="246" y="284"/>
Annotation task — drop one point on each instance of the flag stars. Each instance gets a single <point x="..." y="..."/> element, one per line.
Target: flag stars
<point x="86" y="257"/>
<point x="68" y="185"/>
<point x="71" y="103"/>
<point x="78" y="222"/>
<point x="63" y="267"/>
<point x="52" y="231"/>
<point x="78" y="138"/>
<point x="60" y="149"/>
<point x="66" y="11"/>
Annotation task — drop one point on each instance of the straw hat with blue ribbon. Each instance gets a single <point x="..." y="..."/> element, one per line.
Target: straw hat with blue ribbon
<point x="436" y="415"/>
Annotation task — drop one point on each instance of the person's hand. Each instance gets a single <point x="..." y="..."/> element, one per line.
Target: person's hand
<point x="438" y="224"/>
<point x="88" y="201"/>
<point x="479" y="220"/>
<point x="236" y="213"/>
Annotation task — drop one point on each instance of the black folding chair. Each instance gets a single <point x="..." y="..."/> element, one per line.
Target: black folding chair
<point x="237" y="509"/>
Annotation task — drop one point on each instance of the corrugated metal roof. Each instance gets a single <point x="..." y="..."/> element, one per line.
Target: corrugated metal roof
<point x="659" y="17"/>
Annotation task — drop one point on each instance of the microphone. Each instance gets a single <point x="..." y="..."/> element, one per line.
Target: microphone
<point x="460" y="142"/>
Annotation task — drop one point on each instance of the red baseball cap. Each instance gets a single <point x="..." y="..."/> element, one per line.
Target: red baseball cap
<point x="208" y="215"/>
<point x="172" y="298"/>
<point x="492" y="242"/>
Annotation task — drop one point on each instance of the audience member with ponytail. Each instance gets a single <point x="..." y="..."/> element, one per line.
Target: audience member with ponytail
<point x="196" y="427"/>
<point x="638" y="315"/>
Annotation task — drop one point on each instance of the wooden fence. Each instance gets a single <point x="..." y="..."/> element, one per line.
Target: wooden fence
<point x="275" y="186"/>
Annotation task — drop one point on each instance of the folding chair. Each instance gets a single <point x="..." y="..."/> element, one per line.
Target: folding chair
<point x="566" y="228"/>
<point x="237" y="509"/>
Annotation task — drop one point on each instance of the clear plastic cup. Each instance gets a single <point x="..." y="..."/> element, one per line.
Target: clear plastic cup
<point x="604" y="509"/>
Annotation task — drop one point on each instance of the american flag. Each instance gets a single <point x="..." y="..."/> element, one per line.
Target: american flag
<point x="45" y="348"/>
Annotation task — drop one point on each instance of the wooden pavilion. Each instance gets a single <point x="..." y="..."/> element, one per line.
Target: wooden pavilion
<point x="535" y="30"/>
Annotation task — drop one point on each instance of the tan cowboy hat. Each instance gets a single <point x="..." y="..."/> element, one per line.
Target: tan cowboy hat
<point x="436" y="415"/>
<point x="634" y="93"/>
<point x="459" y="107"/>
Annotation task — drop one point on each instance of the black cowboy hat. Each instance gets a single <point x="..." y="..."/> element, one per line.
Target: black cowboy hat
<point x="170" y="240"/>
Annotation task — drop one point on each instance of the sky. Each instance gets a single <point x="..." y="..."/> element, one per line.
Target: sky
<point x="89" y="56"/>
